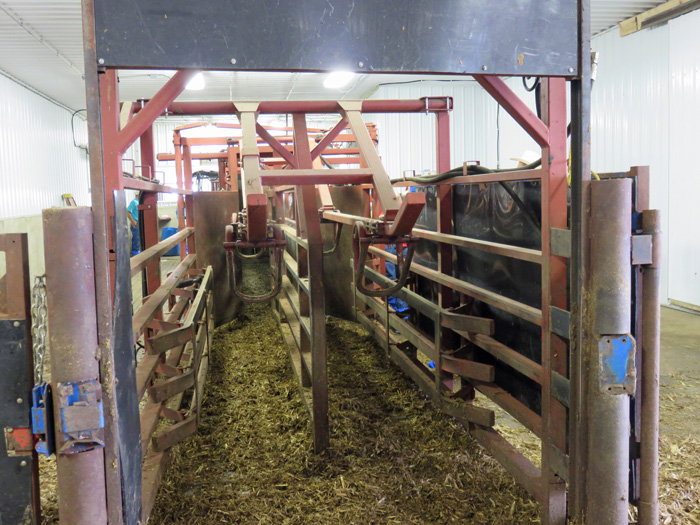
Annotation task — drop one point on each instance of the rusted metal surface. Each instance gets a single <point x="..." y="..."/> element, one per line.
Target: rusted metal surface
<point x="609" y="436"/>
<point x="71" y="306"/>
<point x="19" y="465"/>
<point x="101" y="218"/>
<point x="650" y="370"/>
<point x="554" y="294"/>
<point x="213" y="211"/>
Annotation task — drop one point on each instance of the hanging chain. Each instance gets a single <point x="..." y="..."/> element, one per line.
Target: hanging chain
<point x="39" y="326"/>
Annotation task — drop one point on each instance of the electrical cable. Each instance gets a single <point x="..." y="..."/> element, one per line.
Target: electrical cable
<point x="72" y="125"/>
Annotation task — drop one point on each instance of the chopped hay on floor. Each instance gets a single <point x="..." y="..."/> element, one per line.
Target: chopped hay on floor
<point x="393" y="457"/>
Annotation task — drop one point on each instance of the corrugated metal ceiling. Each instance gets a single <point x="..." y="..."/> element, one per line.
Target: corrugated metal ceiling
<point x="41" y="46"/>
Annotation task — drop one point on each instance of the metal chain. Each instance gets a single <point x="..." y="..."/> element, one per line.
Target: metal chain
<point x="39" y="326"/>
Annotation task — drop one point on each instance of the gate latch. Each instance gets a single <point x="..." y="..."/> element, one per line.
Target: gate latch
<point x="42" y="419"/>
<point x="80" y="417"/>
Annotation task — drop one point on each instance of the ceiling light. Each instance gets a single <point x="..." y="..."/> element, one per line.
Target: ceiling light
<point x="338" y="79"/>
<point x="197" y="83"/>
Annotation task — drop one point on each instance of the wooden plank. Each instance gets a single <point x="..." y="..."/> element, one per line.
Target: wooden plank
<point x="639" y="22"/>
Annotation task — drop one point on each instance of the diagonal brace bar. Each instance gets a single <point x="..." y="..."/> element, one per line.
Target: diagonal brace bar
<point x="516" y="108"/>
<point x="154" y="108"/>
<point x="275" y="145"/>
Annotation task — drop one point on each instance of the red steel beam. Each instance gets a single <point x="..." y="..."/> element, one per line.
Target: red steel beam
<point x="329" y="138"/>
<point x="275" y="145"/>
<point x="154" y="108"/>
<point x="280" y="107"/>
<point x="516" y="108"/>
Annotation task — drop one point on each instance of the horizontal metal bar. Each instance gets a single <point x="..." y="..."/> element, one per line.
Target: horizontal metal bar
<point x="290" y="234"/>
<point x="292" y="267"/>
<point x="512" y="306"/>
<point x="146" y="367"/>
<point x="423" y="305"/>
<point x="312" y="176"/>
<point x="462" y="367"/>
<point x="529" y="419"/>
<point x="467" y="323"/>
<point x="521" y="468"/>
<point x="507" y="355"/>
<point x="142" y="185"/>
<point x="164" y="341"/>
<point x="505" y="176"/>
<point x="150" y="308"/>
<point x="149" y="255"/>
<point x="293" y="298"/>
<point x="296" y="360"/>
<point x="295" y="325"/>
<point x="463" y="412"/>
<point x="283" y="107"/>
<point x="514" y="252"/>
<point x="175" y="433"/>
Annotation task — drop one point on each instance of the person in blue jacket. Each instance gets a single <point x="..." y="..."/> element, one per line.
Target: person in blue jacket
<point x="132" y="212"/>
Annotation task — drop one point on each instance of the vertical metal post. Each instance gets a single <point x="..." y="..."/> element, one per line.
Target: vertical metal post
<point x="310" y="225"/>
<point x="444" y="224"/>
<point x="150" y="212"/>
<point x="578" y="265"/>
<point x="651" y="333"/>
<point x="609" y="412"/>
<point x="102" y="263"/>
<point x="70" y="297"/>
<point x="554" y="350"/>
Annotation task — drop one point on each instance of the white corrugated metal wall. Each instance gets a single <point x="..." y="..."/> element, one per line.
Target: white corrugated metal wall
<point x="474" y="128"/>
<point x="683" y="141"/>
<point x="38" y="161"/>
<point x="646" y="111"/>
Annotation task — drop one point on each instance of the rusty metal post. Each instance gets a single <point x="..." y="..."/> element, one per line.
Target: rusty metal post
<point x="651" y="333"/>
<point x="609" y="407"/>
<point x="70" y="280"/>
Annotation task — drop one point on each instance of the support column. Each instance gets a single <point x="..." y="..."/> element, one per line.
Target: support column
<point x="651" y="344"/>
<point x="149" y="203"/>
<point x="310" y="228"/>
<point x="554" y="293"/>
<point x="70" y="285"/>
<point x="609" y="408"/>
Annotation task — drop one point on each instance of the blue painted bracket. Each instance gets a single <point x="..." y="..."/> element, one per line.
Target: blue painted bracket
<point x="80" y="417"/>
<point x="618" y="369"/>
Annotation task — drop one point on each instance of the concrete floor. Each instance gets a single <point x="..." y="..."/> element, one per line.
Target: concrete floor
<point x="680" y="373"/>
